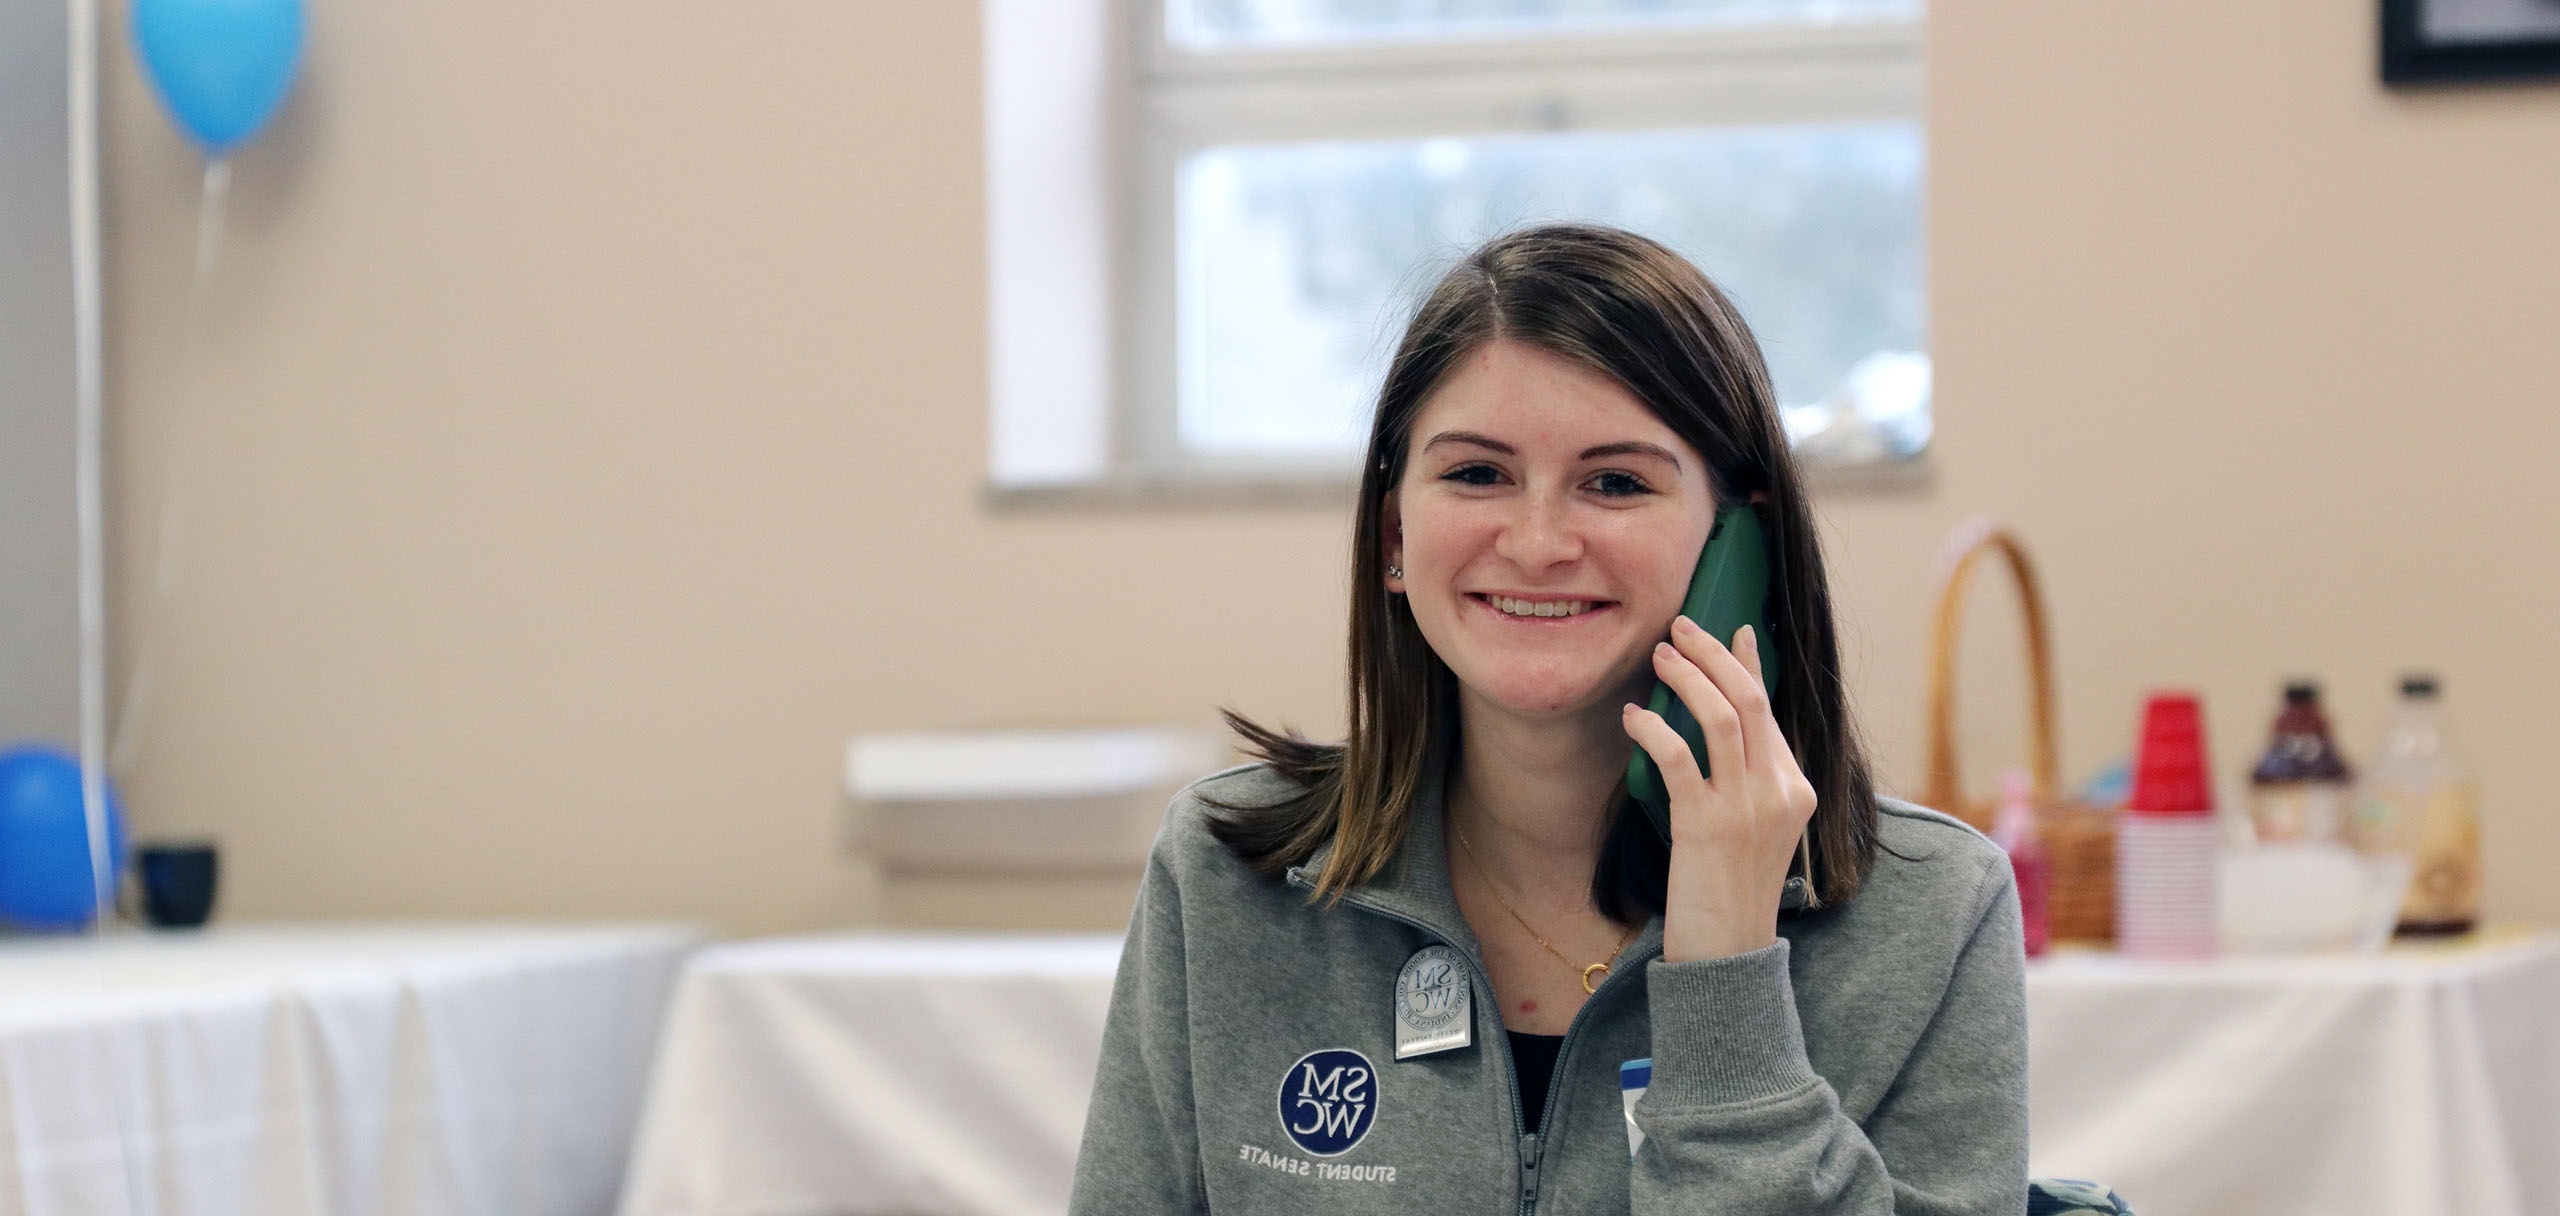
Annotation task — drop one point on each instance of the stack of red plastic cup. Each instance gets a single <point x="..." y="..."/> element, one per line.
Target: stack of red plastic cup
<point x="2168" y="847"/>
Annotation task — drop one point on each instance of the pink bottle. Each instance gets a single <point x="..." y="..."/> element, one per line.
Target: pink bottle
<point x="2014" y="830"/>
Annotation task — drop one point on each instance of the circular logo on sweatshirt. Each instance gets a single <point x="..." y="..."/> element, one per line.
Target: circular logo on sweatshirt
<point x="1329" y="1100"/>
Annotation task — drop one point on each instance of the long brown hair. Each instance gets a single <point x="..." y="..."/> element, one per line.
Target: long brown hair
<point x="1635" y="311"/>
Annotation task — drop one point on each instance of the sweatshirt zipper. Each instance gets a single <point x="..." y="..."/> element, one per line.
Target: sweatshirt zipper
<point x="1530" y="1146"/>
<point x="1531" y="1149"/>
<point x="1528" y="1174"/>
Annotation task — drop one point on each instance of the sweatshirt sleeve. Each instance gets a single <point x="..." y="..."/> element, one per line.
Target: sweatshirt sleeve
<point x="1141" y="1144"/>
<point x="1737" y="1121"/>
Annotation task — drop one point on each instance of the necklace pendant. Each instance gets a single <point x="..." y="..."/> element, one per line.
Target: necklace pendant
<point x="1587" y="988"/>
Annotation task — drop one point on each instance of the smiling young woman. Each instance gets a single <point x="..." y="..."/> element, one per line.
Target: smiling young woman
<point x="1604" y="317"/>
<point x="1447" y="964"/>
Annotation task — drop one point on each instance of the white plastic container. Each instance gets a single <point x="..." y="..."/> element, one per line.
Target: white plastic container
<point x="2306" y="896"/>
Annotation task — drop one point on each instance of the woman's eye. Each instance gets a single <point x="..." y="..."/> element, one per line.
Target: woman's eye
<point x="1620" y="485"/>
<point x="1473" y="475"/>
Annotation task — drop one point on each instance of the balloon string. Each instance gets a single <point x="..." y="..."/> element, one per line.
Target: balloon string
<point x="124" y="740"/>
<point x="217" y="189"/>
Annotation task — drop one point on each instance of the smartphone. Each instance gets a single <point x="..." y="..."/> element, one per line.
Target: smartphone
<point x="1729" y="589"/>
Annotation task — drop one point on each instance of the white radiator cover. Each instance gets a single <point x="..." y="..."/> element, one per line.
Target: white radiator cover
<point x="1044" y="802"/>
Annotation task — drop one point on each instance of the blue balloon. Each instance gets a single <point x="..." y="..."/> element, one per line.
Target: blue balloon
<point x="45" y="881"/>
<point x="222" y="66"/>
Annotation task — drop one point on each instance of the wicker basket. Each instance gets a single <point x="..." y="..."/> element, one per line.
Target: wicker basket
<point x="2079" y="839"/>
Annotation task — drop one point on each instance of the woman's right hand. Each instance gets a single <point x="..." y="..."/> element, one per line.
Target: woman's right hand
<point x="1733" y="837"/>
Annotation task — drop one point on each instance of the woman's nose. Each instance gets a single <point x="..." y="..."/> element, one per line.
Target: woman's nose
<point x="1542" y="534"/>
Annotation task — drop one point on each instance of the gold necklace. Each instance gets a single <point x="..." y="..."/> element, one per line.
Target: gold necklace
<point x="1601" y="967"/>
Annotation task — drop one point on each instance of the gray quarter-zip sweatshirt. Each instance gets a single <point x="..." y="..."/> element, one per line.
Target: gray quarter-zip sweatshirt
<point x="1872" y="1060"/>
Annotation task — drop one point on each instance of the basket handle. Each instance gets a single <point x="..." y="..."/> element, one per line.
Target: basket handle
<point x="1963" y="549"/>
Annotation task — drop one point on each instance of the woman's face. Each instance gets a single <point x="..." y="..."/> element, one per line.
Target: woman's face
<point x="1547" y="524"/>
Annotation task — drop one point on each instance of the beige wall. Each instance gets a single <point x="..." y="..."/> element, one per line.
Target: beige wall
<point x="581" y="437"/>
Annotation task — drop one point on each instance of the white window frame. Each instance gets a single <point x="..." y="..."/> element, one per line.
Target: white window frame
<point x="1113" y="410"/>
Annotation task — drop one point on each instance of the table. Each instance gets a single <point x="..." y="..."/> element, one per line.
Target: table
<point x="905" y="1073"/>
<point x="878" y="1074"/>
<point x="2423" y="1079"/>
<point x="277" y="1070"/>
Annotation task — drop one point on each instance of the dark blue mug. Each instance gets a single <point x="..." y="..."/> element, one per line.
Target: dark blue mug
<point x="177" y="884"/>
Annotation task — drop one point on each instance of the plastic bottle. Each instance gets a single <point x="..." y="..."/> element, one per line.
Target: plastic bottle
<point x="2014" y="830"/>
<point x="2168" y="846"/>
<point x="2300" y="789"/>
<point x="2420" y="801"/>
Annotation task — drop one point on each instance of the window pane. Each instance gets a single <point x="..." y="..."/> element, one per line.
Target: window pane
<point x="1217" y="22"/>
<point x="1297" y="263"/>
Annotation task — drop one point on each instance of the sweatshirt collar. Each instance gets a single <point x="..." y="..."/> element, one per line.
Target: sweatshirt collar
<point x="1414" y="888"/>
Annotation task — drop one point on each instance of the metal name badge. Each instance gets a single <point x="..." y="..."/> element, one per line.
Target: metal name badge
<point x="1435" y="1004"/>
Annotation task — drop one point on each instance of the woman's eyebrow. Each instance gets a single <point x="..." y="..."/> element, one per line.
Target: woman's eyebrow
<point x="1482" y="441"/>
<point x="1630" y="447"/>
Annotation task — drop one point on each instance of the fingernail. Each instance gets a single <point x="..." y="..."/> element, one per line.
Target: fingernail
<point x="1746" y="640"/>
<point x="1663" y="650"/>
<point x="1683" y="622"/>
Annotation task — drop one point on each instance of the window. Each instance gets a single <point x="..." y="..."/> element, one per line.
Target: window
<point x="1279" y="179"/>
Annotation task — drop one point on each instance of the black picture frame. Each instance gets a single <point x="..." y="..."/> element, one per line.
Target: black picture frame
<point x="2410" y="57"/>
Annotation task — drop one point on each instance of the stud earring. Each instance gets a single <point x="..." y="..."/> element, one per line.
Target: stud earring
<point x="1395" y="572"/>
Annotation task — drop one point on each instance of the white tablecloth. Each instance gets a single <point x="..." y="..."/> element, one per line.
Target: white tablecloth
<point x="282" y="1070"/>
<point x="874" y="1074"/>
<point x="2425" y="1079"/>
<point x="949" y="1075"/>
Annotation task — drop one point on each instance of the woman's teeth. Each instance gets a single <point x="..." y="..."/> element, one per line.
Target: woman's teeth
<point x="1512" y="607"/>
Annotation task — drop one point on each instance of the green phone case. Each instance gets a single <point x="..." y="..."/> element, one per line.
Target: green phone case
<point x="1729" y="590"/>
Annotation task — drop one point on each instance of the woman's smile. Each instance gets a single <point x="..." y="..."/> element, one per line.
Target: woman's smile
<point x="1540" y="609"/>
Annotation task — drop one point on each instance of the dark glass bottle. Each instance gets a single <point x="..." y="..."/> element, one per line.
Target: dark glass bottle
<point x="2301" y="786"/>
